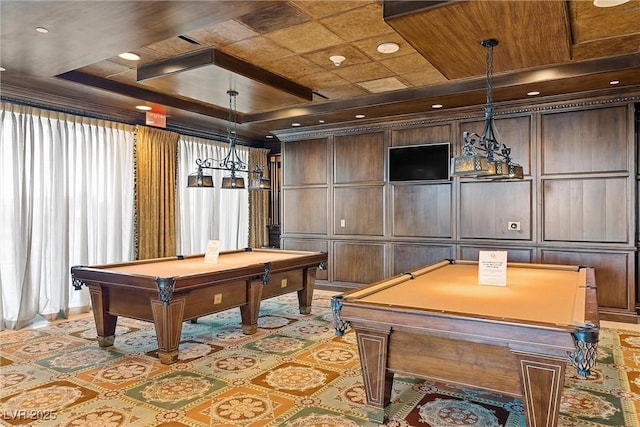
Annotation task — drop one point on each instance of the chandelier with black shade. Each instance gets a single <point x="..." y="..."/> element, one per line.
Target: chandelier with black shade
<point x="231" y="162"/>
<point x="483" y="156"/>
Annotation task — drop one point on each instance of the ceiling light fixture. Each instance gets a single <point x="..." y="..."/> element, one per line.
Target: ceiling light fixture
<point x="42" y="30"/>
<point x="436" y="106"/>
<point x="482" y="155"/>
<point x="143" y="108"/>
<point x="533" y="93"/>
<point x="3" y="69"/>
<point x="295" y="125"/>
<point x="614" y="82"/>
<point x="231" y="162"/>
<point x="388" y="47"/>
<point x="360" y="116"/>
<point x="129" y="56"/>
<point x="337" y="59"/>
<point x="608" y="3"/>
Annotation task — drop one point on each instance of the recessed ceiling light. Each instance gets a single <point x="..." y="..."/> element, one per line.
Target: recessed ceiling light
<point x="360" y="116"/>
<point x="129" y="56"/>
<point x="437" y="106"/>
<point x="143" y="107"/>
<point x="321" y="121"/>
<point x="608" y="3"/>
<point x="614" y="82"/>
<point x="295" y="124"/>
<point x="388" y="47"/>
<point x="533" y="93"/>
<point x="3" y="69"/>
<point x="42" y="30"/>
<point x="269" y="136"/>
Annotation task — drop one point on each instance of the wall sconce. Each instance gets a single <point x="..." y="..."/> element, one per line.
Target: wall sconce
<point x="231" y="162"/>
<point x="482" y="155"/>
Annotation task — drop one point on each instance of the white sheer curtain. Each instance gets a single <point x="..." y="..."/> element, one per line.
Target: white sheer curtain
<point x="209" y="213"/>
<point x="67" y="199"/>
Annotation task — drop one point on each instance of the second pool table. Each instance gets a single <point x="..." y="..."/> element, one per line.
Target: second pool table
<point x="437" y="322"/>
<point x="168" y="291"/>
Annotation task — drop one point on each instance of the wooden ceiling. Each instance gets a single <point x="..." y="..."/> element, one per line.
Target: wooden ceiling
<point x="276" y="55"/>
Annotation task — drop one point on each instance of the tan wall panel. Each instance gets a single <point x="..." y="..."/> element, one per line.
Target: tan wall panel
<point x="585" y="141"/>
<point x="422" y="135"/>
<point x="513" y="254"/>
<point x="310" y="245"/>
<point x="422" y="210"/>
<point x="515" y="132"/>
<point x="359" y="158"/>
<point x="305" y="162"/>
<point x="361" y="208"/>
<point x="585" y="210"/>
<point x="358" y="262"/>
<point x="411" y="257"/>
<point x="612" y="273"/>
<point x="305" y="210"/>
<point x="487" y="207"/>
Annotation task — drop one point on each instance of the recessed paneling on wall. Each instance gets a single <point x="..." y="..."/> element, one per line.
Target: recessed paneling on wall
<point x="410" y="257"/>
<point x="359" y="158"/>
<point x="421" y="135"/>
<point x="305" y="162"/>
<point x="585" y="210"/>
<point x="309" y="245"/>
<point x="358" y="262"/>
<point x="305" y="210"/>
<point x="487" y="208"/>
<point x="358" y="211"/>
<point x="614" y="273"/>
<point x="422" y="210"/>
<point x="513" y="254"/>
<point x="585" y="141"/>
<point x="514" y="132"/>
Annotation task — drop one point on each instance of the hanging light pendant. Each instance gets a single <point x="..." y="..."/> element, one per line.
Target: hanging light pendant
<point x="259" y="183"/>
<point x="231" y="162"/>
<point x="482" y="155"/>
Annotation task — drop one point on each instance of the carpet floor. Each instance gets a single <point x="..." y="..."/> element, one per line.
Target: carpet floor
<point x="293" y="372"/>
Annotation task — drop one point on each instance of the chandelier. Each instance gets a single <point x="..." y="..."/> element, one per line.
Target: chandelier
<point x="231" y="162"/>
<point x="482" y="155"/>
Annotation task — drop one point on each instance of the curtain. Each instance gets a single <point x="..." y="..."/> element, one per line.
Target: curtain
<point x="155" y="156"/>
<point x="209" y="213"/>
<point x="258" y="201"/>
<point x="67" y="199"/>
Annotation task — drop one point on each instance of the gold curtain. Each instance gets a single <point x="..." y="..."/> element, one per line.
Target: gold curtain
<point x="156" y="158"/>
<point x="258" y="201"/>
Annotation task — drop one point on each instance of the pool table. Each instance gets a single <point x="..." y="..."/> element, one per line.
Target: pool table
<point x="437" y="322"/>
<point x="168" y="291"/>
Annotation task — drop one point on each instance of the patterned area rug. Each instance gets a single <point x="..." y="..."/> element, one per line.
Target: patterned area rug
<point x="293" y="372"/>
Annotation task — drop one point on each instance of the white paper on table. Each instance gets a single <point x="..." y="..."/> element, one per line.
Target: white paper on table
<point x="213" y="250"/>
<point x="492" y="268"/>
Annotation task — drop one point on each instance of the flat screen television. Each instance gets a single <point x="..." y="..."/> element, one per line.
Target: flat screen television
<point x="419" y="162"/>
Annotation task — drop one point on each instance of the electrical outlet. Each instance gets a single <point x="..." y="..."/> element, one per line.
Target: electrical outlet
<point x="343" y="223"/>
<point x="513" y="225"/>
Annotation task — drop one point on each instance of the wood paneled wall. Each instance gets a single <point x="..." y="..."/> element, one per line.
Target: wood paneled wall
<point x="576" y="204"/>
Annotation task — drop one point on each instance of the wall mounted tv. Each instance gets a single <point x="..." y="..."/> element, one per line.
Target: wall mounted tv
<point x="419" y="162"/>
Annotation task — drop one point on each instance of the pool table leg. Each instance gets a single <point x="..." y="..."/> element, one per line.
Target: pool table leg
<point x="542" y="380"/>
<point x="249" y="312"/>
<point x="305" y="295"/>
<point x="378" y="380"/>
<point x="105" y="322"/>
<point x="168" y="323"/>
